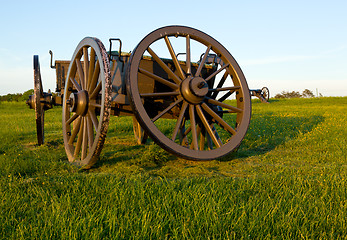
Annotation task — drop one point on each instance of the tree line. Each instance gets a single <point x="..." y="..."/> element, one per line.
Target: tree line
<point x="19" y="97"/>
<point x="295" y="94"/>
<point x="16" y="97"/>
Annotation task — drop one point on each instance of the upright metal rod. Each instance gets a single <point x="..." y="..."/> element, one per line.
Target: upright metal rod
<point x="51" y="53"/>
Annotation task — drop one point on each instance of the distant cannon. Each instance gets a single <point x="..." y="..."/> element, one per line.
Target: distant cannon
<point x="263" y="94"/>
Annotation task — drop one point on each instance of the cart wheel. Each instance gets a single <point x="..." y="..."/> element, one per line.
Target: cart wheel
<point x="38" y="95"/>
<point x="265" y="93"/>
<point x="140" y="135"/>
<point x="86" y="102"/>
<point x="183" y="104"/>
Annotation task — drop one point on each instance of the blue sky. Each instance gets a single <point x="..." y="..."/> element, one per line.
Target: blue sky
<point x="284" y="45"/>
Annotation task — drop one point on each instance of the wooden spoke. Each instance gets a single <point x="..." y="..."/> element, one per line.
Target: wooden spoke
<point x="183" y="135"/>
<point x="197" y="74"/>
<point x="75" y="84"/>
<point x="79" y="139"/>
<point x="198" y="131"/>
<point x="216" y="72"/>
<point x="174" y="58"/>
<point x="218" y="119"/>
<point x="80" y="73"/>
<point x="95" y="77"/>
<point x="225" y="96"/>
<point x="91" y="67"/>
<point x="231" y="89"/>
<point x="187" y="131"/>
<point x="209" y="141"/>
<point x="188" y="55"/>
<point x="221" y="83"/>
<point x="179" y="120"/>
<point x="85" y="66"/>
<point x="176" y="79"/>
<point x="75" y="130"/>
<point x="91" y="104"/>
<point x="158" y="95"/>
<point x="90" y="131"/>
<point x="224" y="105"/>
<point x="193" y="127"/>
<point x="183" y="140"/>
<point x="96" y="91"/>
<point x="207" y="125"/>
<point x="216" y="134"/>
<point x="85" y="139"/>
<point x="167" y="109"/>
<point x="71" y="119"/>
<point x="159" y="79"/>
<point x="94" y="119"/>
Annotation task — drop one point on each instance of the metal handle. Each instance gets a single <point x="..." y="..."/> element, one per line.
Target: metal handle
<point x="120" y="47"/>
<point x="50" y="52"/>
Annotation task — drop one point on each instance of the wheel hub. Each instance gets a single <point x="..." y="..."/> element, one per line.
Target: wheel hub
<point x="78" y="102"/>
<point x="194" y="89"/>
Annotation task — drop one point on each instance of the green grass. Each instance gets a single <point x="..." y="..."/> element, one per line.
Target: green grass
<point x="287" y="181"/>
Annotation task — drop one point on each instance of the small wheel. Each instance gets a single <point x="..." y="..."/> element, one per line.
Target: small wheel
<point x="265" y="93"/>
<point x="86" y="102"/>
<point x="38" y="95"/>
<point x="198" y="109"/>
<point x="140" y="135"/>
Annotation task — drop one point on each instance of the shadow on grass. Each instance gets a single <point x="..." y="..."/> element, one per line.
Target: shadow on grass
<point x="55" y="143"/>
<point x="119" y="153"/>
<point x="266" y="132"/>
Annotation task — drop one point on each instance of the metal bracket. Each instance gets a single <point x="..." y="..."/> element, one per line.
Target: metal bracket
<point x="212" y="58"/>
<point x="51" y="53"/>
<point x="180" y="54"/>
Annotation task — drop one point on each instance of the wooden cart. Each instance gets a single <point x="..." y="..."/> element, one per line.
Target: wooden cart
<point x="183" y="88"/>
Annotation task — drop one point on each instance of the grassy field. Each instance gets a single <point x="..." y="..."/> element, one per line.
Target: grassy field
<point x="287" y="181"/>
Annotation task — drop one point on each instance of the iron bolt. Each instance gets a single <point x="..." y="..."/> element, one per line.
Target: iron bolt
<point x="201" y="85"/>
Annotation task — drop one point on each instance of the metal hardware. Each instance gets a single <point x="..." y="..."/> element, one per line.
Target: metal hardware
<point x="51" y="53"/>
<point x="120" y="48"/>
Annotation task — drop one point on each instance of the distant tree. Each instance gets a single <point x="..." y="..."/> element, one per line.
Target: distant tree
<point x="285" y="94"/>
<point x="294" y="94"/>
<point x="307" y="94"/>
<point x="26" y="94"/>
<point x="279" y="95"/>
